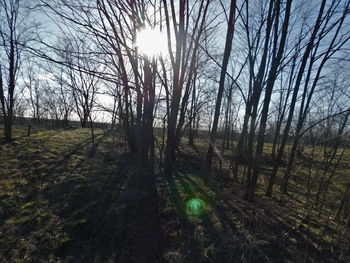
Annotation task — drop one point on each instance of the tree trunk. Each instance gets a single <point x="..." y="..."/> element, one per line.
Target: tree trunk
<point x="226" y="135"/>
<point x="294" y="100"/>
<point x="269" y="87"/>
<point x="227" y="52"/>
<point x="8" y="127"/>
<point x="192" y="115"/>
<point x="176" y="94"/>
<point x="342" y="202"/>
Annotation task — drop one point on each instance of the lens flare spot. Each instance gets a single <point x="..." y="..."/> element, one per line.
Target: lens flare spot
<point x="195" y="206"/>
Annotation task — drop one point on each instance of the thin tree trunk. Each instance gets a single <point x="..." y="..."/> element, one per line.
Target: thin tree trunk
<point x="226" y="135"/>
<point x="342" y="202"/>
<point x="294" y="100"/>
<point x="227" y="52"/>
<point x="267" y="99"/>
<point x="307" y="95"/>
<point x="176" y="95"/>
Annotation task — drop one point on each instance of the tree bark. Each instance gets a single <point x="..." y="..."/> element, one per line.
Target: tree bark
<point x="294" y="100"/>
<point x="227" y="52"/>
<point x="269" y="87"/>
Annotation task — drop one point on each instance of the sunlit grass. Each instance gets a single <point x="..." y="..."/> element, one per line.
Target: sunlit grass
<point x="45" y="178"/>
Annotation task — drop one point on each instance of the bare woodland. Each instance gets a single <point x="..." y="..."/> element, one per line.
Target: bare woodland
<point x="259" y="90"/>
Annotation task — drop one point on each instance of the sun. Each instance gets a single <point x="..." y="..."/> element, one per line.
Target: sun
<point x="151" y="42"/>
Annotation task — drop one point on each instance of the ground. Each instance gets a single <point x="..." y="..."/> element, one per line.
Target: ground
<point x="60" y="201"/>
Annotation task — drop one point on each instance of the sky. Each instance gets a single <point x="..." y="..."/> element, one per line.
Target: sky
<point x="51" y="33"/>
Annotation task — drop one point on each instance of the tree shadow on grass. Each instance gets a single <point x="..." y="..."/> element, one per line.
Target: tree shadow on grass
<point x="249" y="231"/>
<point x="282" y="237"/>
<point x="187" y="241"/>
<point x="274" y="235"/>
<point x="205" y="238"/>
<point x="92" y="209"/>
<point x="214" y="221"/>
<point x="70" y="207"/>
<point x="106" y="220"/>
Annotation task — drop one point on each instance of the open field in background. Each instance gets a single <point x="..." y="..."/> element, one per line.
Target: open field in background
<point x="59" y="202"/>
<point x="302" y="162"/>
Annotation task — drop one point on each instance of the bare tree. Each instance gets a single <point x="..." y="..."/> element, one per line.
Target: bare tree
<point x="183" y="63"/>
<point x="320" y="31"/>
<point x="33" y="84"/>
<point x="83" y="85"/>
<point x="14" y="35"/>
<point x="275" y="64"/>
<point x="58" y="100"/>
<point x="227" y="52"/>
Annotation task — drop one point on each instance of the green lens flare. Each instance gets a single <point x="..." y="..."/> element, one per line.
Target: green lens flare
<point x="195" y="206"/>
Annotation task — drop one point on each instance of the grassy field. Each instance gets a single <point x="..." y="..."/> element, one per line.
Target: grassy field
<point x="60" y="202"/>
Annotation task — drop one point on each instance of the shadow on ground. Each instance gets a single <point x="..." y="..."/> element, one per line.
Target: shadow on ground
<point x="61" y="203"/>
<point x="232" y="230"/>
